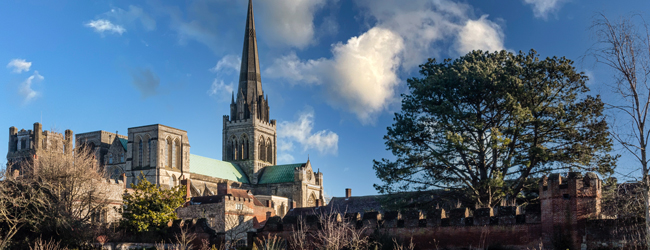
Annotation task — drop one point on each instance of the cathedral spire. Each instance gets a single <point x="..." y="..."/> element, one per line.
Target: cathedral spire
<point x="250" y="82"/>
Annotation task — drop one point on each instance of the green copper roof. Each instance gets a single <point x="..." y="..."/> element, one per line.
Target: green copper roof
<point x="124" y="141"/>
<point x="279" y="173"/>
<point x="216" y="168"/>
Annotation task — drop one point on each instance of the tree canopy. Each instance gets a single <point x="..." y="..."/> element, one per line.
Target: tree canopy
<point x="488" y="122"/>
<point x="150" y="207"/>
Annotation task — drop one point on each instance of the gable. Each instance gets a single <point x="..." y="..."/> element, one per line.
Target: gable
<point x="216" y="168"/>
<point x="124" y="142"/>
<point x="279" y="173"/>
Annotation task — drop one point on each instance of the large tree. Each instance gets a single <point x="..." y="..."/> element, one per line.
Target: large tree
<point x="487" y="122"/>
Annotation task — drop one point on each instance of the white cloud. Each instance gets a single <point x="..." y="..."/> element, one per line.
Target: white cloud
<point x="103" y="25"/>
<point x="480" y="34"/>
<point x="220" y="90"/>
<point x="19" y="65"/>
<point x="300" y="131"/>
<point x="26" y="90"/>
<point x="289" y="22"/>
<point x="541" y="8"/>
<point x="130" y="16"/>
<point x="285" y="158"/>
<point x="228" y="63"/>
<point x="360" y="77"/>
<point x="362" y="74"/>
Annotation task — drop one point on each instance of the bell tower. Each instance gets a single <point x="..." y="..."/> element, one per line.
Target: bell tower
<point x="249" y="136"/>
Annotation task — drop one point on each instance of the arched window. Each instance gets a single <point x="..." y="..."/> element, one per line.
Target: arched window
<point x="269" y="151"/>
<point x="245" y="147"/>
<point x="174" y="149"/>
<point x="121" y="157"/>
<point x="262" y="150"/>
<point x="140" y="153"/>
<point x="311" y="202"/>
<point x="168" y="155"/>
<point x="149" y="151"/>
<point x="110" y="158"/>
<point x="234" y="149"/>
<point x="179" y="161"/>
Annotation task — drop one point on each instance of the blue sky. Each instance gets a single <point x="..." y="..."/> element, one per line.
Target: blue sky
<point x="333" y="69"/>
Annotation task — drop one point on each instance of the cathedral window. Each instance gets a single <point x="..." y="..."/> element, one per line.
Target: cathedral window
<point x="311" y="202"/>
<point x="178" y="154"/>
<point x="234" y="150"/>
<point x="140" y="153"/>
<point x="173" y="154"/>
<point x="262" y="150"/>
<point x="168" y="155"/>
<point x="149" y="151"/>
<point x="269" y="151"/>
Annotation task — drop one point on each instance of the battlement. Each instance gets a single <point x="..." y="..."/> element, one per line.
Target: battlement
<point x="227" y="121"/>
<point x="459" y="217"/>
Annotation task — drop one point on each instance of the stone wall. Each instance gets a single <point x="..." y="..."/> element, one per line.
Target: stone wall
<point x="567" y="218"/>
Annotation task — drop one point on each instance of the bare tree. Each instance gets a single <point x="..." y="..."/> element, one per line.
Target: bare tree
<point x="59" y="193"/>
<point x="624" y="46"/>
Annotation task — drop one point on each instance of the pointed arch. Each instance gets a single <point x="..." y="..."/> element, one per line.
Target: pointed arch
<point x="262" y="149"/>
<point x="147" y="150"/>
<point x="137" y="151"/>
<point x="269" y="150"/>
<point x="311" y="202"/>
<point x="169" y="153"/>
<point x="177" y="154"/>
<point x="245" y="149"/>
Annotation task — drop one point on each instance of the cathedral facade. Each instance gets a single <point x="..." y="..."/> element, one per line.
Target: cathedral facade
<point x="161" y="154"/>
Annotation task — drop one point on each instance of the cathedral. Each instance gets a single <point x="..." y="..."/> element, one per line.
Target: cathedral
<point x="161" y="154"/>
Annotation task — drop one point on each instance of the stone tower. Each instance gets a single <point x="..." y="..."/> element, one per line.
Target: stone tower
<point x="249" y="136"/>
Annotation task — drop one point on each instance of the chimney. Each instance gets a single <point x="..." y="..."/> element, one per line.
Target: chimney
<point x="268" y="215"/>
<point x="293" y="204"/>
<point x="269" y="203"/>
<point x="348" y="192"/>
<point x="223" y="188"/>
<point x="187" y="184"/>
<point x="319" y="202"/>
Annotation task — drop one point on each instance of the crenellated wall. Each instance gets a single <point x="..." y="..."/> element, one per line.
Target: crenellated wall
<point x="568" y="217"/>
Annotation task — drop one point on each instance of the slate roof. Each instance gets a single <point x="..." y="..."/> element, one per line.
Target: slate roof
<point x="216" y="168"/>
<point x="124" y="142"/>
<point x="357" y="204"/>
<point x="279" y="173"/>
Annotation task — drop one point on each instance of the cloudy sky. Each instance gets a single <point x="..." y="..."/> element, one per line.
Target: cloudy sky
<point x="333" y="69"/>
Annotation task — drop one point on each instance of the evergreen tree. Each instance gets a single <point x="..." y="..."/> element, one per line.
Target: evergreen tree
<point x="487" y="122"/>
<point x="149" y="207"/>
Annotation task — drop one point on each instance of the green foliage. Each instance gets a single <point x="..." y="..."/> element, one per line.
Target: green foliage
<point x="486" y="123"/>
<point x="150" y="208"/>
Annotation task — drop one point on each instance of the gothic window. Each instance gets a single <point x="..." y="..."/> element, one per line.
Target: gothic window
<point x="23" y="144"/>
<point x="174" y="149"/>
<point x="262" y="150"/>
<point x="168" y="155"/>
<point x="269" y="151"/>
<point x="177" y="144"/>
<point x="110" y="158"/>
<point x="234" y="150"/>
<point x="311" y="202"/>
<point x="245" y="154"/>
<point x="121" y="157"/>
<point x="149" y="151"/>
<point x="140" y="153"/>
